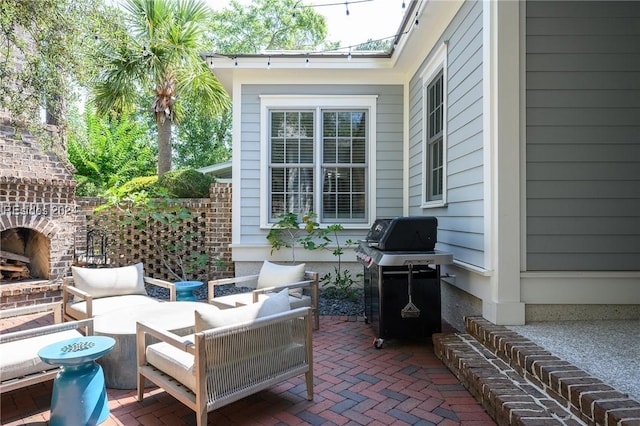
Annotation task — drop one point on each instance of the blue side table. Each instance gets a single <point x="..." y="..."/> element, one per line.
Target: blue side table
<point x="185" y="290"/>
<point x="79" y="393"/>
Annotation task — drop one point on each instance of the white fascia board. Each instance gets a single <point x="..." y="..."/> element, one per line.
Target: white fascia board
<point x="434" y="17"/>
<point x="310" y="76"/>
<point x="298" y="62"/>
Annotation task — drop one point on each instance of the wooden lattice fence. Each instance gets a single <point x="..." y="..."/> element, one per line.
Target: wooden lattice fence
<point x="209" y="228"/>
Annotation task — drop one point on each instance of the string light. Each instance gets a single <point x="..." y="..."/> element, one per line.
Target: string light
<point x="349" y="55"/>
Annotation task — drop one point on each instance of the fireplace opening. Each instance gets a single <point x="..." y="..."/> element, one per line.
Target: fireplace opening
<point x="24" y="255"/>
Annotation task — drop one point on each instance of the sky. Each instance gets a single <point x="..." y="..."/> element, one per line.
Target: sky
<point x="367" y="19"/>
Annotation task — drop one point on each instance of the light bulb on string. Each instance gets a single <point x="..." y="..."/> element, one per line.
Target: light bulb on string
<point x="403" y="4"/>
<point x="346" y="4"/>
<point x="293" y="11"/>
<point x="349" y="55"/>
<point x="235" y="59"/>
<point x="269" y="63"/>
<point x="306" y="63"/>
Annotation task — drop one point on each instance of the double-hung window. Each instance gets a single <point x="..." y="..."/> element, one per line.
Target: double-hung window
<point x="435" y="108"/>
<point x="317" y="157"/>
<point x="434" y="130"/>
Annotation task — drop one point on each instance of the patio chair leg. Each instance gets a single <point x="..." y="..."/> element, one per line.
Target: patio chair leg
<point x="309" y="380"/>
<point x="140" y="387"/>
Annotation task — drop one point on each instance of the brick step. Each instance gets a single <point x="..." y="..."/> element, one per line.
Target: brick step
<point x="521" y="383"/>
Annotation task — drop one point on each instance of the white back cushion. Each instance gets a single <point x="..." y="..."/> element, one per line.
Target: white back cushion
<point x="104" y="282"/>
<point x="274" y="304"/>
<point x="272" y="274"/>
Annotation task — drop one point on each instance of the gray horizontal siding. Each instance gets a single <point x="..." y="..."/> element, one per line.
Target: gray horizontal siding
<point x="583" y="135"/>
<point x="389" y="150"/>
<point x="460" y="223"/>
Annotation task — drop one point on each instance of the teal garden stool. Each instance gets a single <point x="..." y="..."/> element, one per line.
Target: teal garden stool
<point x="79" y="394"/>
<point x="185" y="290"/>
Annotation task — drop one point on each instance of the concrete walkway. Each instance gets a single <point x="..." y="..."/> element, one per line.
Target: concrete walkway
<point x="610" y="350"/>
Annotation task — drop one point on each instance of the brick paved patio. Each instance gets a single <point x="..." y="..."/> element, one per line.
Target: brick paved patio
<point x="355" y="384"/>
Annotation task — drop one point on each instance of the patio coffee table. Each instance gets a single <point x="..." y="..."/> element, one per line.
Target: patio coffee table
<point x="119" y="365"/>
<point x="79" y="396"/>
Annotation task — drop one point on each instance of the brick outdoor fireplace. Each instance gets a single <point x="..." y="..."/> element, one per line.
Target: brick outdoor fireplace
<point x="39" y="220"/>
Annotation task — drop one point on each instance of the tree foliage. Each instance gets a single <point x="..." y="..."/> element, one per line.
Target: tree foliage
<point x="375" y="45"/>
<point x="108" y="151"/>
<point x="202" y="140"/>
<point x="44" y="54"/>
<point x="161" y="56"/>
<point x="266" y="25"/>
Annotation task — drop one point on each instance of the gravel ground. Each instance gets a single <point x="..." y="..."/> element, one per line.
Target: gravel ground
<point x="327" y="305"/>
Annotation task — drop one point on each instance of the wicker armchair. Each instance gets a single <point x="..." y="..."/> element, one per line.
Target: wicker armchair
<point x="303" y="286"/>
<point x="90" y="291"/>
<point x="218" y="366"/>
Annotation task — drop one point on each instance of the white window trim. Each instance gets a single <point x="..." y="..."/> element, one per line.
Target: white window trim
<point x="268" y="102"/>
<point x="437" y="63"/>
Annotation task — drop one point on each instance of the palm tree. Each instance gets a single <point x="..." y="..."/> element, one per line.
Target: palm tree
<point x="161" y="55"/>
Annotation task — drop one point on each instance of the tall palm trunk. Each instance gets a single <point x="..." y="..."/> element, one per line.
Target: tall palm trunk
<point x="163" y="108"/>
<point x="164" y="146"/>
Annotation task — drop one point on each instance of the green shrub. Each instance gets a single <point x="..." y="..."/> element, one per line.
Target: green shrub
<point x="142" y="183"/>
<point x="186" y="183"/>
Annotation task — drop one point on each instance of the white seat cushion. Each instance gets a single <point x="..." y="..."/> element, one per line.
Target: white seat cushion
<point x="173" y="361"/>
<point x="107" y="304"/>
<point x="20" y="358"/>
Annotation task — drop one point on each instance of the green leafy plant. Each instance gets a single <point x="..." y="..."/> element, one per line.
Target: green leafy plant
<point x="289" y="232"/>
<point x="108" y="151"/>
<point x="340" y="283"/>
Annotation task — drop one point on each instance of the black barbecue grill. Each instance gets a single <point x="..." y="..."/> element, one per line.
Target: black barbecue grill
<point x="402" y="277"/>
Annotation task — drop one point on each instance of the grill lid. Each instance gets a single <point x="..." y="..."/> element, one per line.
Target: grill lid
<point x="370" y="256"/>
<point x="411" y="233"/>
